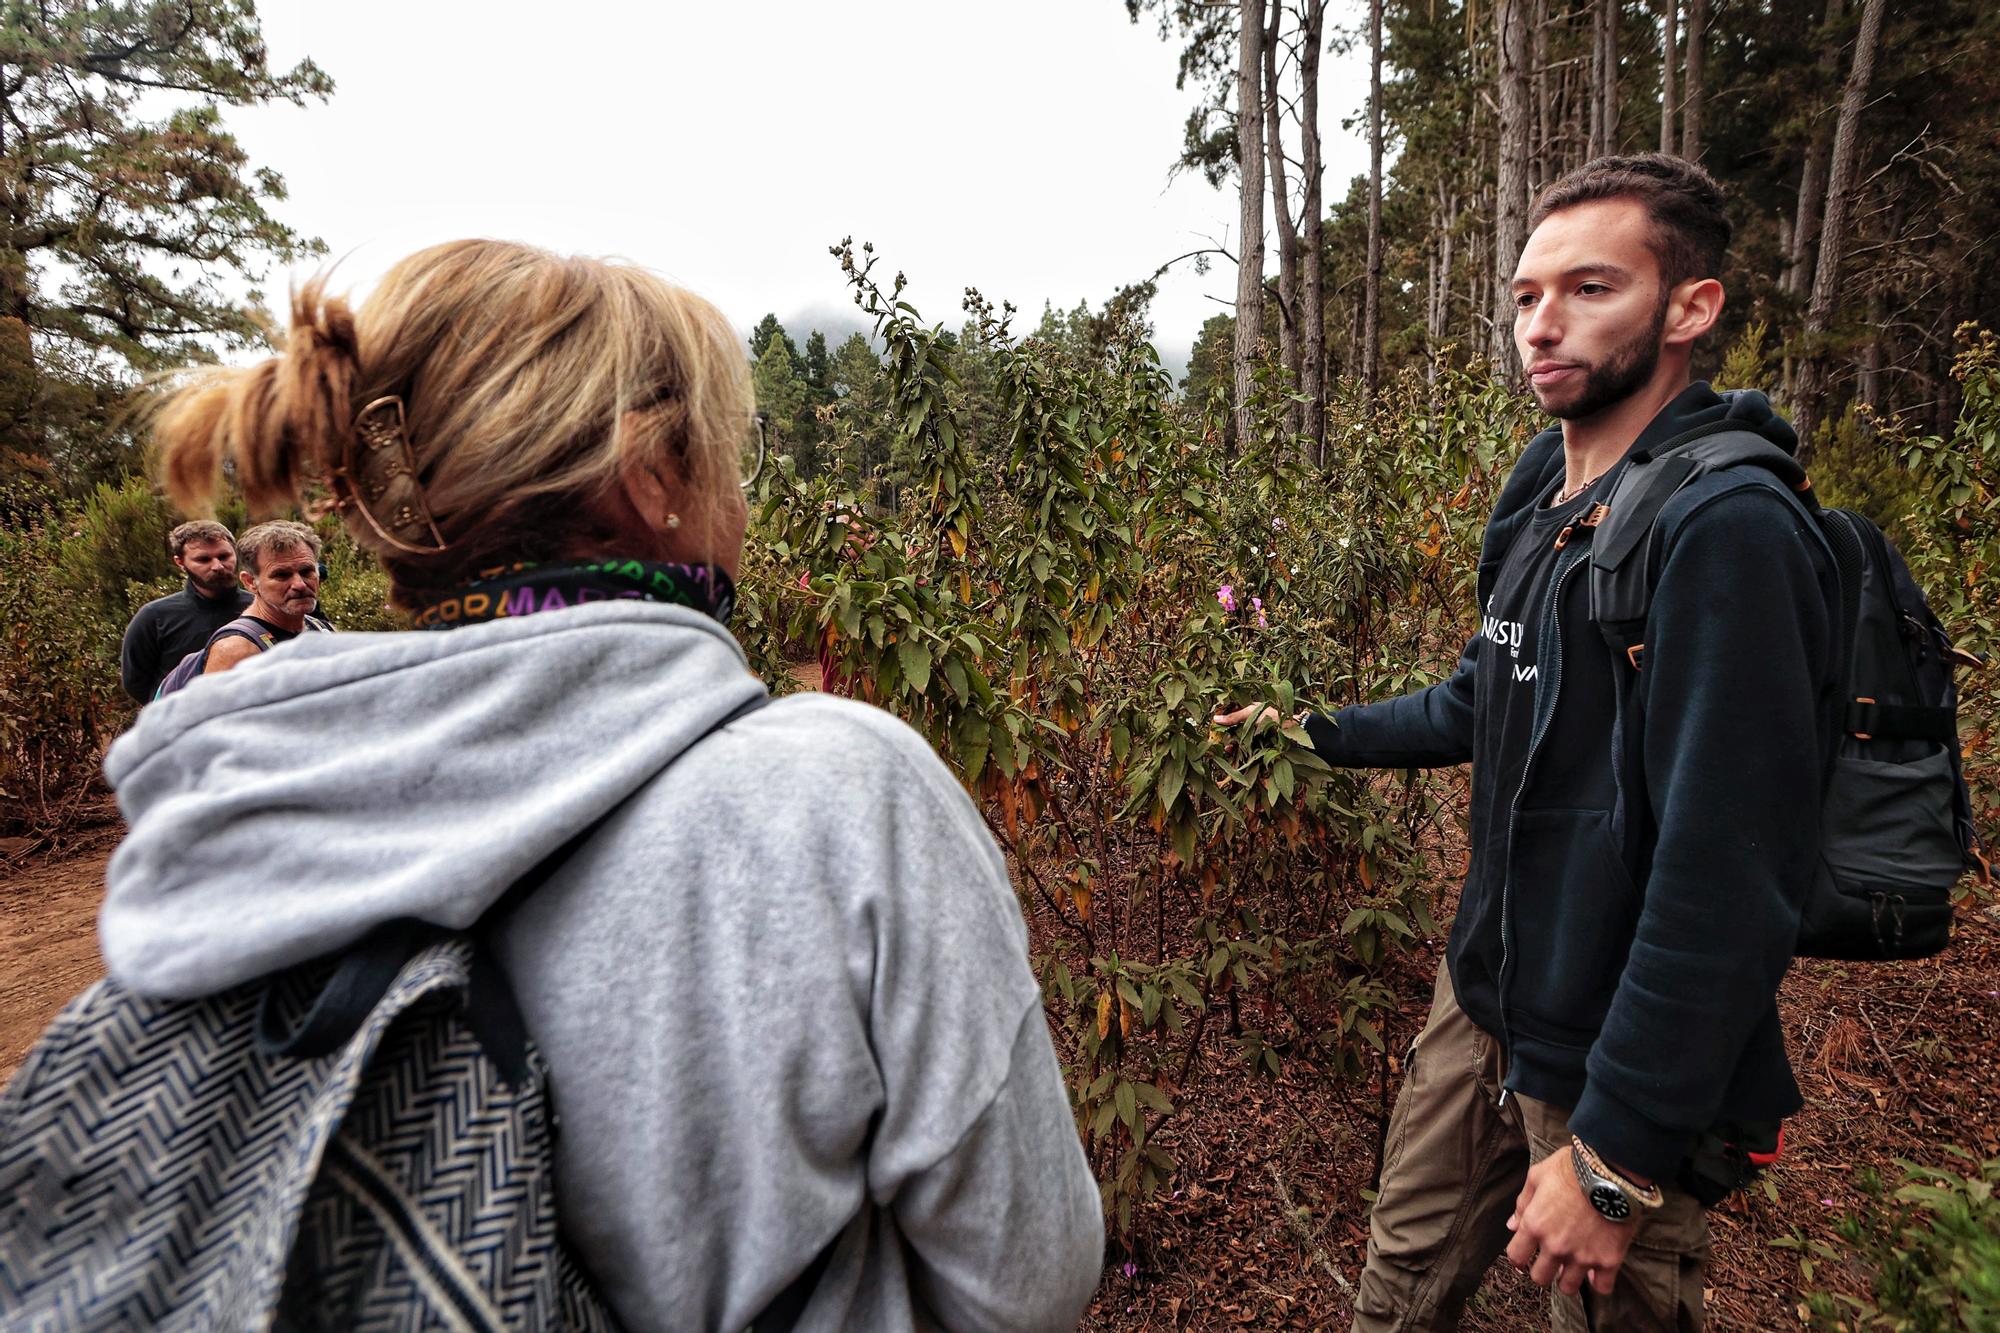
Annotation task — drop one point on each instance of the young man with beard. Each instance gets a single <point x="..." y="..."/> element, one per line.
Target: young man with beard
<point x="168" y="628"/>
<point x="281" y="571"/>
<point x="1642" y="832"/>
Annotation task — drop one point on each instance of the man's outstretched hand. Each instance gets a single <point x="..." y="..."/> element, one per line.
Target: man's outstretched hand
<point x="1559" y="1237"/>
<point x="1264" y="713"/>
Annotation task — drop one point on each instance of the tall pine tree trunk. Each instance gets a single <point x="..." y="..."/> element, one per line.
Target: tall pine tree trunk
<point x="1670" y="59"/>
<point x="1693" y="92"/>
<point x="1798" y="275"/>
<point x="1250" y="220"/>
<point x="1371" y="324"/>
<point x="1281" y="212"/>
<point x="1805" y="226"/>
<point x="1812" y="386"/>
<point x="1604" y="77"/>
<point x="1545" y="166"/>
<point x="1445" y="230"/>
<point x="1510" y="205"/>
<point x="1312" y="332"/>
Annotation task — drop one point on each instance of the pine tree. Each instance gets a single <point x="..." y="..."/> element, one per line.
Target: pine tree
<point x="818" y="368"/>
<point x="783" y="395"/>
<point x="760" y="338"/>
<point x="129" y="215"/>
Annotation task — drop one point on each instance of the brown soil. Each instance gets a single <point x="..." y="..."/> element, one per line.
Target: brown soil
<point x="48" y="937"/>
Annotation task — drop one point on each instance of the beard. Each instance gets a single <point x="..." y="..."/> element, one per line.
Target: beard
<point x="215" y="584"/>
<point x="1622" y="372"/>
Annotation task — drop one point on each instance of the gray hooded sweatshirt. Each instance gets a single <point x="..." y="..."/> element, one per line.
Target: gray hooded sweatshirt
<point x="783" y="989"/>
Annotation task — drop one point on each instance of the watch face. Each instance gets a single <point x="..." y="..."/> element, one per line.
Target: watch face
<point x="1609" y="1201"/>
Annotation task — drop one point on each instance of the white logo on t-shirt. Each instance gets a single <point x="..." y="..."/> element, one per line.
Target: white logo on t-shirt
<point x="1506" y="633"/>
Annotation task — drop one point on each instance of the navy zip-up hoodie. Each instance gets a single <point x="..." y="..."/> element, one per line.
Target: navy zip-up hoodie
<point x="1634" y="894"/>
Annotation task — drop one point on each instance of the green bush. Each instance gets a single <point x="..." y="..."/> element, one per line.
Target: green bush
<point x="1060" y="612"/>
<point x="1927" y="1255"/>
<point x="354" y="595"/>
<point x="59" y="694"/>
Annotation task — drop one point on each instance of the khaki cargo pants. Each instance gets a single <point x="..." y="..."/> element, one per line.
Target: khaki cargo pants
<point x="1453" y="1165"/>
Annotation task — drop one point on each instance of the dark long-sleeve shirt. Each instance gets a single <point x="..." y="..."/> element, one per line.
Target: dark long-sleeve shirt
<point x="167" y="629"/>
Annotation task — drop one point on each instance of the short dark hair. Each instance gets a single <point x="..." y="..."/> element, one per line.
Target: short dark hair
<point x="200" y="530"/>
<point x="280" y="534"/>
<point x="1690" y="229"/>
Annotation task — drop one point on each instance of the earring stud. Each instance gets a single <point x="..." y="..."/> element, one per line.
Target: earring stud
<point x="673" y="522"/>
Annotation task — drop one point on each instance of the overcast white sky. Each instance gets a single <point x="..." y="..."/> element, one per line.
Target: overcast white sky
<point x="1022" y="148"/>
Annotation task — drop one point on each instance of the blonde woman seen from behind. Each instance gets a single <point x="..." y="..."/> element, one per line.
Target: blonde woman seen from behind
<point x="782" y="986"/>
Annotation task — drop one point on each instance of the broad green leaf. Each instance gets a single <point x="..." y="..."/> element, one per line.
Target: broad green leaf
<point x="915" y="660"/>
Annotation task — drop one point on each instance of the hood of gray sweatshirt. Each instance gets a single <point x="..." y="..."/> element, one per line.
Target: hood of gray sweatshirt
<point x="782" y="989"/>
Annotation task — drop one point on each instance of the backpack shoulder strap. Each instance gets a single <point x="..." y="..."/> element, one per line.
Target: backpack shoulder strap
<point x="243" y="627"/>
<point x="1621" y="583"/>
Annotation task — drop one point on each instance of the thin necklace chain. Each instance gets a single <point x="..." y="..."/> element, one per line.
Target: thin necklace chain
<point x="1564" y="497"/>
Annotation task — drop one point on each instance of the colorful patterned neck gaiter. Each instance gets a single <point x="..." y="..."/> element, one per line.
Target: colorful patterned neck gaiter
<point x="520" y="590"/>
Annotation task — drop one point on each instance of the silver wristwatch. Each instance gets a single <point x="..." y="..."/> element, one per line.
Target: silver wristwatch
<point x="1614" y="1197"/>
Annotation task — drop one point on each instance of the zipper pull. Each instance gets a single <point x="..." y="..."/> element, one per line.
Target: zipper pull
<point x="1562" y="538"/>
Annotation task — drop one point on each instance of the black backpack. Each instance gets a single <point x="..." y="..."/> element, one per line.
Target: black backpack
<point x="1896" y="829"/>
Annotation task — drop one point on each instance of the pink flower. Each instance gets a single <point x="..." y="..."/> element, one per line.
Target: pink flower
<point x="1131" y="1269"/>
<point x="1262" y="621"/>
<point x="806" y="581"/>
<point x="1226" y="594"/>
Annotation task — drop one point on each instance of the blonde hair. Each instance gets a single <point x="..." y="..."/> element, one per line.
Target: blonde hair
<point x="531" y="382"/>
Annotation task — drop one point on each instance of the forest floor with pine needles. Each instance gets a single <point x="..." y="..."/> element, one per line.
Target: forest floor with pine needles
<point x="1265" y="1225"/>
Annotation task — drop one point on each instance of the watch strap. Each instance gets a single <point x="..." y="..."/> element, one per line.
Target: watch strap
<point x="1599" y="1181"/>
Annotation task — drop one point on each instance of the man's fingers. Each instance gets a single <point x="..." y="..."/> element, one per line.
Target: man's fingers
<point x="1603" y="1279"/>
<point x="1263" y="712"/>
<point x="1571" y="1280"/>
<point x="1521" y="1250"/>
<point x="1545" y="1269"/>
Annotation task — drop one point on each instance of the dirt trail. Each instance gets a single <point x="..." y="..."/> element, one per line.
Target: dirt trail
<point x="48" y="940"/>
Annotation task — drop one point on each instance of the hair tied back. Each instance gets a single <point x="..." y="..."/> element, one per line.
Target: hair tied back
<point x="376" y="477"/>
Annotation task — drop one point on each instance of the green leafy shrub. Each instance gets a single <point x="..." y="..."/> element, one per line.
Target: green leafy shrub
<point x="59" y="694"/>
<point x="1926" y="1255"/>
<point x="1060" y="611"/>
<point x="354" y="595"/>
